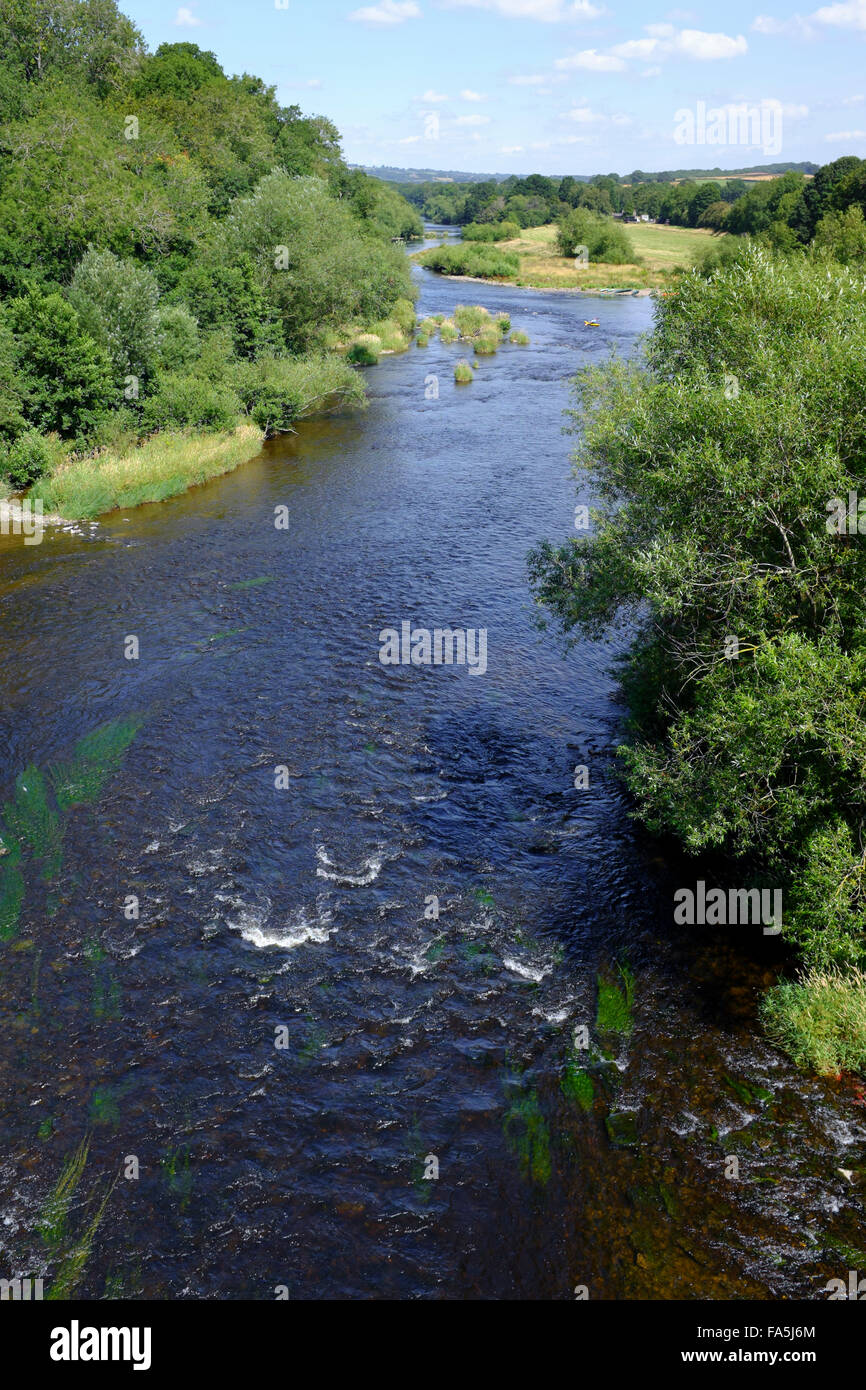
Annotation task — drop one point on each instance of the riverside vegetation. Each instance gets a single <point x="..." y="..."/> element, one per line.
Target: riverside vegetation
<point x="714" y="463"/>
<point x="475" y="325"/>
<point x="517" y="226"/>
<point x="194" y="279"/>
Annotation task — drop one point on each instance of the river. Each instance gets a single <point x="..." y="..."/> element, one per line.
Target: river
<point x="306" y="1081"/>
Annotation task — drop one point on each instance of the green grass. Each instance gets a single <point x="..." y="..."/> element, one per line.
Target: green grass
<point x="820" y="1020"/>
<point x="463" y="373"/>
<point x="163" y="466"/>
<point x="472" y="320"/>
<point x="661" y="250"/>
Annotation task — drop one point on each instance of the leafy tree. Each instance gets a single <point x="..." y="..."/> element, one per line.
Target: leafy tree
<point x="715" y="464"/>
<point x="605" y="240"/>
<point x="64" y="375"/>
<point x="842" y="236"/>
<point x="313" y="258"/>
<point x="117" y="303"/>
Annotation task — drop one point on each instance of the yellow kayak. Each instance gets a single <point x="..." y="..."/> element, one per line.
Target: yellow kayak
<point x="591" y="323"/>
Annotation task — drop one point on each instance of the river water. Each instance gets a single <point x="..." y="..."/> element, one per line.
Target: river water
<point x="275" y="1059"/>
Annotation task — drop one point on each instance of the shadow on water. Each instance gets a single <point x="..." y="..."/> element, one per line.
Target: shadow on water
<point x="335" y="988"/>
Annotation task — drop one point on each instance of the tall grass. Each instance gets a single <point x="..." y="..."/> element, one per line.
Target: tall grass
<point x="53" y="1219"/>
<point x="471" y="320"/>
<point x="820" y="1020"/>
<point x="163" y="466"/>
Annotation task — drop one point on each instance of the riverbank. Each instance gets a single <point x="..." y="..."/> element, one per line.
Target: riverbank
<point x="163" y="466"/>
<point x="536" y="263"/>
<point x="274" y="395"/>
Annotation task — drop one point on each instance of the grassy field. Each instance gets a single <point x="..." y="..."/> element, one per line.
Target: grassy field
<point x="661" y="249"/>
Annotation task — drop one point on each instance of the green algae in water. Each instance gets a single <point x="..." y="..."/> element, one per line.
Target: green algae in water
<point x="747" y="1093"/>
<point x="104" y="1109"/>
<point x="252" y="583"/>
<point x="315" y="1040"/>
<point x="106" y="997"/>
<point x="576" y="1084"/>
<point x="178" y="1174"/>
<point x="95" y="759"/>
<point x="614" y="1003"/>
<point x="68" y="1277"/>
<point x="622" y="1129"/>
<point x="34" y="822"/>
<point x="11" y="895"/>
<point x="528" y="1137"/>
<point x="52" y="1222"/>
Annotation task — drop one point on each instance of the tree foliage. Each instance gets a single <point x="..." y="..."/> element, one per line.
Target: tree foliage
<point x="714" y="464"/>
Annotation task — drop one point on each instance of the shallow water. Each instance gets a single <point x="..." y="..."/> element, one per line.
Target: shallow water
<point x="298" y="915"/>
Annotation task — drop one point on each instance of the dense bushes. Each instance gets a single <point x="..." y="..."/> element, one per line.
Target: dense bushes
<point x="488" y="262"/>
<point x="276" y="391"/>
<point x="189" y="401"/>
<point x="27" y="458"/>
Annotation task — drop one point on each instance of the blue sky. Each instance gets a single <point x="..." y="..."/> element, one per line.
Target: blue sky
<point x="552" y="86"/>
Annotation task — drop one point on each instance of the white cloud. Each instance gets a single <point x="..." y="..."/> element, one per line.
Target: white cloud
<point x="473" y="120"/>
<point x="511" y="149"/>
<point x="468" y="95"/>
<point x="796" y="27"/>
<point x="845" y="135"/>
<point x="546" y="11"/>
<point x="592" y="61"/>
<point x="584" y="115"/>
<point x="185" y="19"/>
<point x="433" y="96"/>
<point x="387" y="12"/>
<point x="705" y="47"/>
<point x="664" y="41"/>
<point x="850" y="15"/>
<point x="852" y="101"/>
<point x="792" y="112"/>
<point x="409" y="140"/>
<point x="636" y="48"/>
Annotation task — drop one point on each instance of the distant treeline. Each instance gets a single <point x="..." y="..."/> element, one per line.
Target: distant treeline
<point x="436" y="176"/>
<point x="788" y="211"/>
